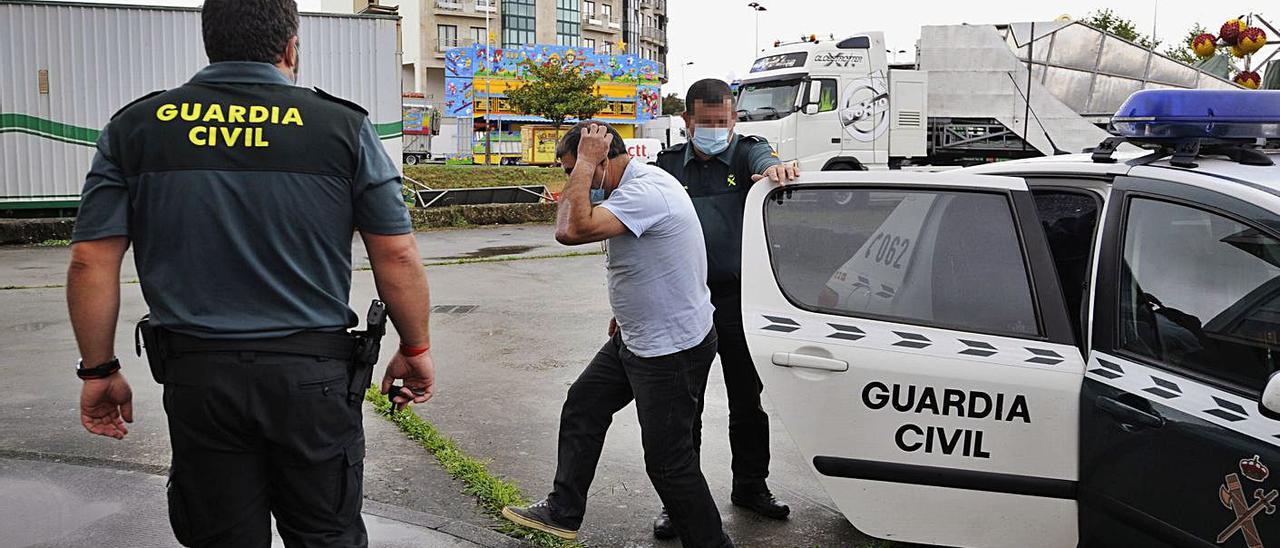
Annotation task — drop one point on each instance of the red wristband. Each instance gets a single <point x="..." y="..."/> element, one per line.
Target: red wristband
<point x="411" y="351"/>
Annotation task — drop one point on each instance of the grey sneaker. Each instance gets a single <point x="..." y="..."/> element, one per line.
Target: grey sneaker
<point x="538" y="516"/>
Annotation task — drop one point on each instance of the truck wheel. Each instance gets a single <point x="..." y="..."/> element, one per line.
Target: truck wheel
<point x="411" y="159"/>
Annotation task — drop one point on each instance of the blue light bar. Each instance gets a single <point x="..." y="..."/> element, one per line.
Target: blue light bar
<point x="1181" y="113"/>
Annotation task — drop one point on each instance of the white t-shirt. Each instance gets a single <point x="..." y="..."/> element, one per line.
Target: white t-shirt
<point x="657" y="271"/>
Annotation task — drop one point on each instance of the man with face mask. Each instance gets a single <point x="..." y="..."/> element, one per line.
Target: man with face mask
<point x="239" y="193"/>
<point x="661" y="339"/>
<point x="717" y="168"/>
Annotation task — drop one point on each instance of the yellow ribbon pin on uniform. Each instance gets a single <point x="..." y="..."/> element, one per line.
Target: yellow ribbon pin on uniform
<point x="732" y="180"/>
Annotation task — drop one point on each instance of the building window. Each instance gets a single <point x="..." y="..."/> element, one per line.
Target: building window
<point x="518" y="23"/>
<point x="448" y="36"/>
<point x="589" y="8"/>
<point x="568" y="22"/>
<point x="608" y="48"/>
<point x="478" y="35"/>
<point x="589" y="43"/>
<point x="607" y="11"/>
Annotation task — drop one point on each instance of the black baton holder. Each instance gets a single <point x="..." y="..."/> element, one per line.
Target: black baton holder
<point x="151" y="338"/>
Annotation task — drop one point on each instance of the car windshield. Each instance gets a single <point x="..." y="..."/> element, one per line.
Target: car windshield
<point x="767" y="100"/>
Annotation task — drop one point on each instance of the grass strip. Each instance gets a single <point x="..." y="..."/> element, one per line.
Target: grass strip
<point x="492" y="492"/>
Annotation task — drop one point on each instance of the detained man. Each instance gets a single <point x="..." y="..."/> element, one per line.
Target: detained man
<point x="661" y="340"/>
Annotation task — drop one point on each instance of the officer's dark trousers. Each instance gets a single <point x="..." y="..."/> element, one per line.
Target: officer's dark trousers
<point x="748" y="423"/>
<point x="261" y="434"/>
<point x="668" y="393"/>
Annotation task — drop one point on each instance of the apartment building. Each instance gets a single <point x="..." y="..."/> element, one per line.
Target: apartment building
<point x="638" y="27"/>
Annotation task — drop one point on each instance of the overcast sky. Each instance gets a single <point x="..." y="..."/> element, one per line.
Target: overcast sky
<point x="718" y="36"/>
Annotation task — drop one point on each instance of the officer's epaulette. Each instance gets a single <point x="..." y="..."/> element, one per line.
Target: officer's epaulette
<point x="341" y="101"/>
<point x="677" y="148"/>
<point x="753" y="139"/>
<point x="136" y="101"/>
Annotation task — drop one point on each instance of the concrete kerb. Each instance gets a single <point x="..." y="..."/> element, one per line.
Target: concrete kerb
<point x="34" y="231"/>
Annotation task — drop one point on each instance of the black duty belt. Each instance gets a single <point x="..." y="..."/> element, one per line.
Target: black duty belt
<point x="333" y="345"/>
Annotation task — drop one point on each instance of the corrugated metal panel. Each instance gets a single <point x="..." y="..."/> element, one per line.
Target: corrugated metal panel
<point x="99" y="58"/>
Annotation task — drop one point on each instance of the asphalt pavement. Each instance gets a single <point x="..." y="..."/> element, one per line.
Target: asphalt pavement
<point x="505" y="359"/>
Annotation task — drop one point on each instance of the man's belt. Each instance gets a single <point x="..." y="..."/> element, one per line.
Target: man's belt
<point x="335" y="345"/>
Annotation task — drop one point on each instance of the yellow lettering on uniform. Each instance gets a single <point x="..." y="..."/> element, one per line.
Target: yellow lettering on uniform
<point x="191" y="114"/>
<point x="235" y="114"/>
<point x="214" y="113"/>
<point x="231" y="135"/>
<point x="292" y="116"/>
<point x="191" y="135"/>
<point x="257" y="114"/>
<point x="213" y="136"/>
<point x="259" y="141"/>
<point x="275" y="115"/>
<point x="167" y="112"/>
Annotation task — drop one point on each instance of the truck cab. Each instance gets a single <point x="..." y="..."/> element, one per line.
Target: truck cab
<point x="835" y="104"/>
<point x="1074" y="350"/>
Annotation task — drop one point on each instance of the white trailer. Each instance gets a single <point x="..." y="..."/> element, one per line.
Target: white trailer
<point x="69" y="67"/>
<point x="978" y="93"/>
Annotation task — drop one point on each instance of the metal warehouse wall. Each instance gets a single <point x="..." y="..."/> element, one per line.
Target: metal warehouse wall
<point x="101" y="57"/>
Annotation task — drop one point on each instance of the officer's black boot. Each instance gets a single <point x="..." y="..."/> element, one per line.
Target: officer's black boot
<point x="760" y="501"/>
<point x="663" y="529"/>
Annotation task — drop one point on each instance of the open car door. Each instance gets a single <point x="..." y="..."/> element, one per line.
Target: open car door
<point x="911" y="333"/>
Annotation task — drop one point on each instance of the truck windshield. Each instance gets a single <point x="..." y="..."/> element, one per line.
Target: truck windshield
<point x="767" y="100"/>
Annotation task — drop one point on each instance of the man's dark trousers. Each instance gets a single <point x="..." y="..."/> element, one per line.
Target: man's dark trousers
<point x="256" y="434"/>
<point x="668" y="392"/>
<point x="748" y="423"/>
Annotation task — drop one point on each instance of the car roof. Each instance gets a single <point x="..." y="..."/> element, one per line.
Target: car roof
<point x="1083" y="164"/>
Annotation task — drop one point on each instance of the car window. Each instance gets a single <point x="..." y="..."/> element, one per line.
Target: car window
<point x="1069" y="219"/>
<point x="1200" y="291"/>
<point x="945" y="259"/>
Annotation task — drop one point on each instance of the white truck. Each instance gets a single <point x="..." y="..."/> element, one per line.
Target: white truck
<point x="976" y="94"/>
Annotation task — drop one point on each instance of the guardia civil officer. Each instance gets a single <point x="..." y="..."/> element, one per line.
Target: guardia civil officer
<point x="717" y="168"/>
<point x="239" y="193"/>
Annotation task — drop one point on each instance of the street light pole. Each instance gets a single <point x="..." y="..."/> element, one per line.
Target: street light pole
<point x="757" y="7"/>
<point x="488" y="93"/>
<point x="684" y="74"/>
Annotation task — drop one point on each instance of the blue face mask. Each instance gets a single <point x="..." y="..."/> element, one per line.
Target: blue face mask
<point x="598" y="194"/>
<point x="711" y="140"/>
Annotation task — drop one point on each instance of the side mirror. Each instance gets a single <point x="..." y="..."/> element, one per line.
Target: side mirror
<point x="1270" y="403"/>
<point x="811" y="108"/>
<point x="815" y="93"/>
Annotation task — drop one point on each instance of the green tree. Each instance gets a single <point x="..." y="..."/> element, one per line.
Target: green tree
<point x="1182" y="51"/>
<point x="672" y="105"/>
<point x="556" y="92"/>
<point x="1107" y="20"/>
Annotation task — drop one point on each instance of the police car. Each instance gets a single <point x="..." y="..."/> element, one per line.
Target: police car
<point x="1073" y="350"/>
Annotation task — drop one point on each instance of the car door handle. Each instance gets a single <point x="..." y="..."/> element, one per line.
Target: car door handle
<point x="835" y="140"/>
<point x="1128" y="414"/>
<point x="789" y="359"/>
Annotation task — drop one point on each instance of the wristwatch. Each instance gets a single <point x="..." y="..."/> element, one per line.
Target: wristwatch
<point x="99" y="371"/>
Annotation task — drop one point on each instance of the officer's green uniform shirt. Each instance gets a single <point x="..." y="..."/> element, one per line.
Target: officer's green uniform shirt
<point x="718" y="187"/>
<point x="240" y="193"/>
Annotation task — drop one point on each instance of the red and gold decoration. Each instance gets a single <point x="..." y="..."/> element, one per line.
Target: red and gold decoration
<point x="1249" y="79"/>
<point x="1252" y="39"/>
<point x="1231" y="31"/>
<point x="1205" y="45"/>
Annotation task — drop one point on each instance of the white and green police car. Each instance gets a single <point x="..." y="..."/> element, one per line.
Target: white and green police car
<point x="1073" y="350"/>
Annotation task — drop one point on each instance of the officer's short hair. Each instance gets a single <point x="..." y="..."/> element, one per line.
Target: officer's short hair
<point x="569" y="143"/>
<point x="248" y="30"/>
<point x="707" y="90"/>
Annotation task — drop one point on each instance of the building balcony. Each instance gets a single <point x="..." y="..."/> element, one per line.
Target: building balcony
<point x="446" y="44"/>
<point x="654" y="35"/>
<point x="599" y="23"/>
<point x="473" y="8"/>
<point x="655" y="5"/>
